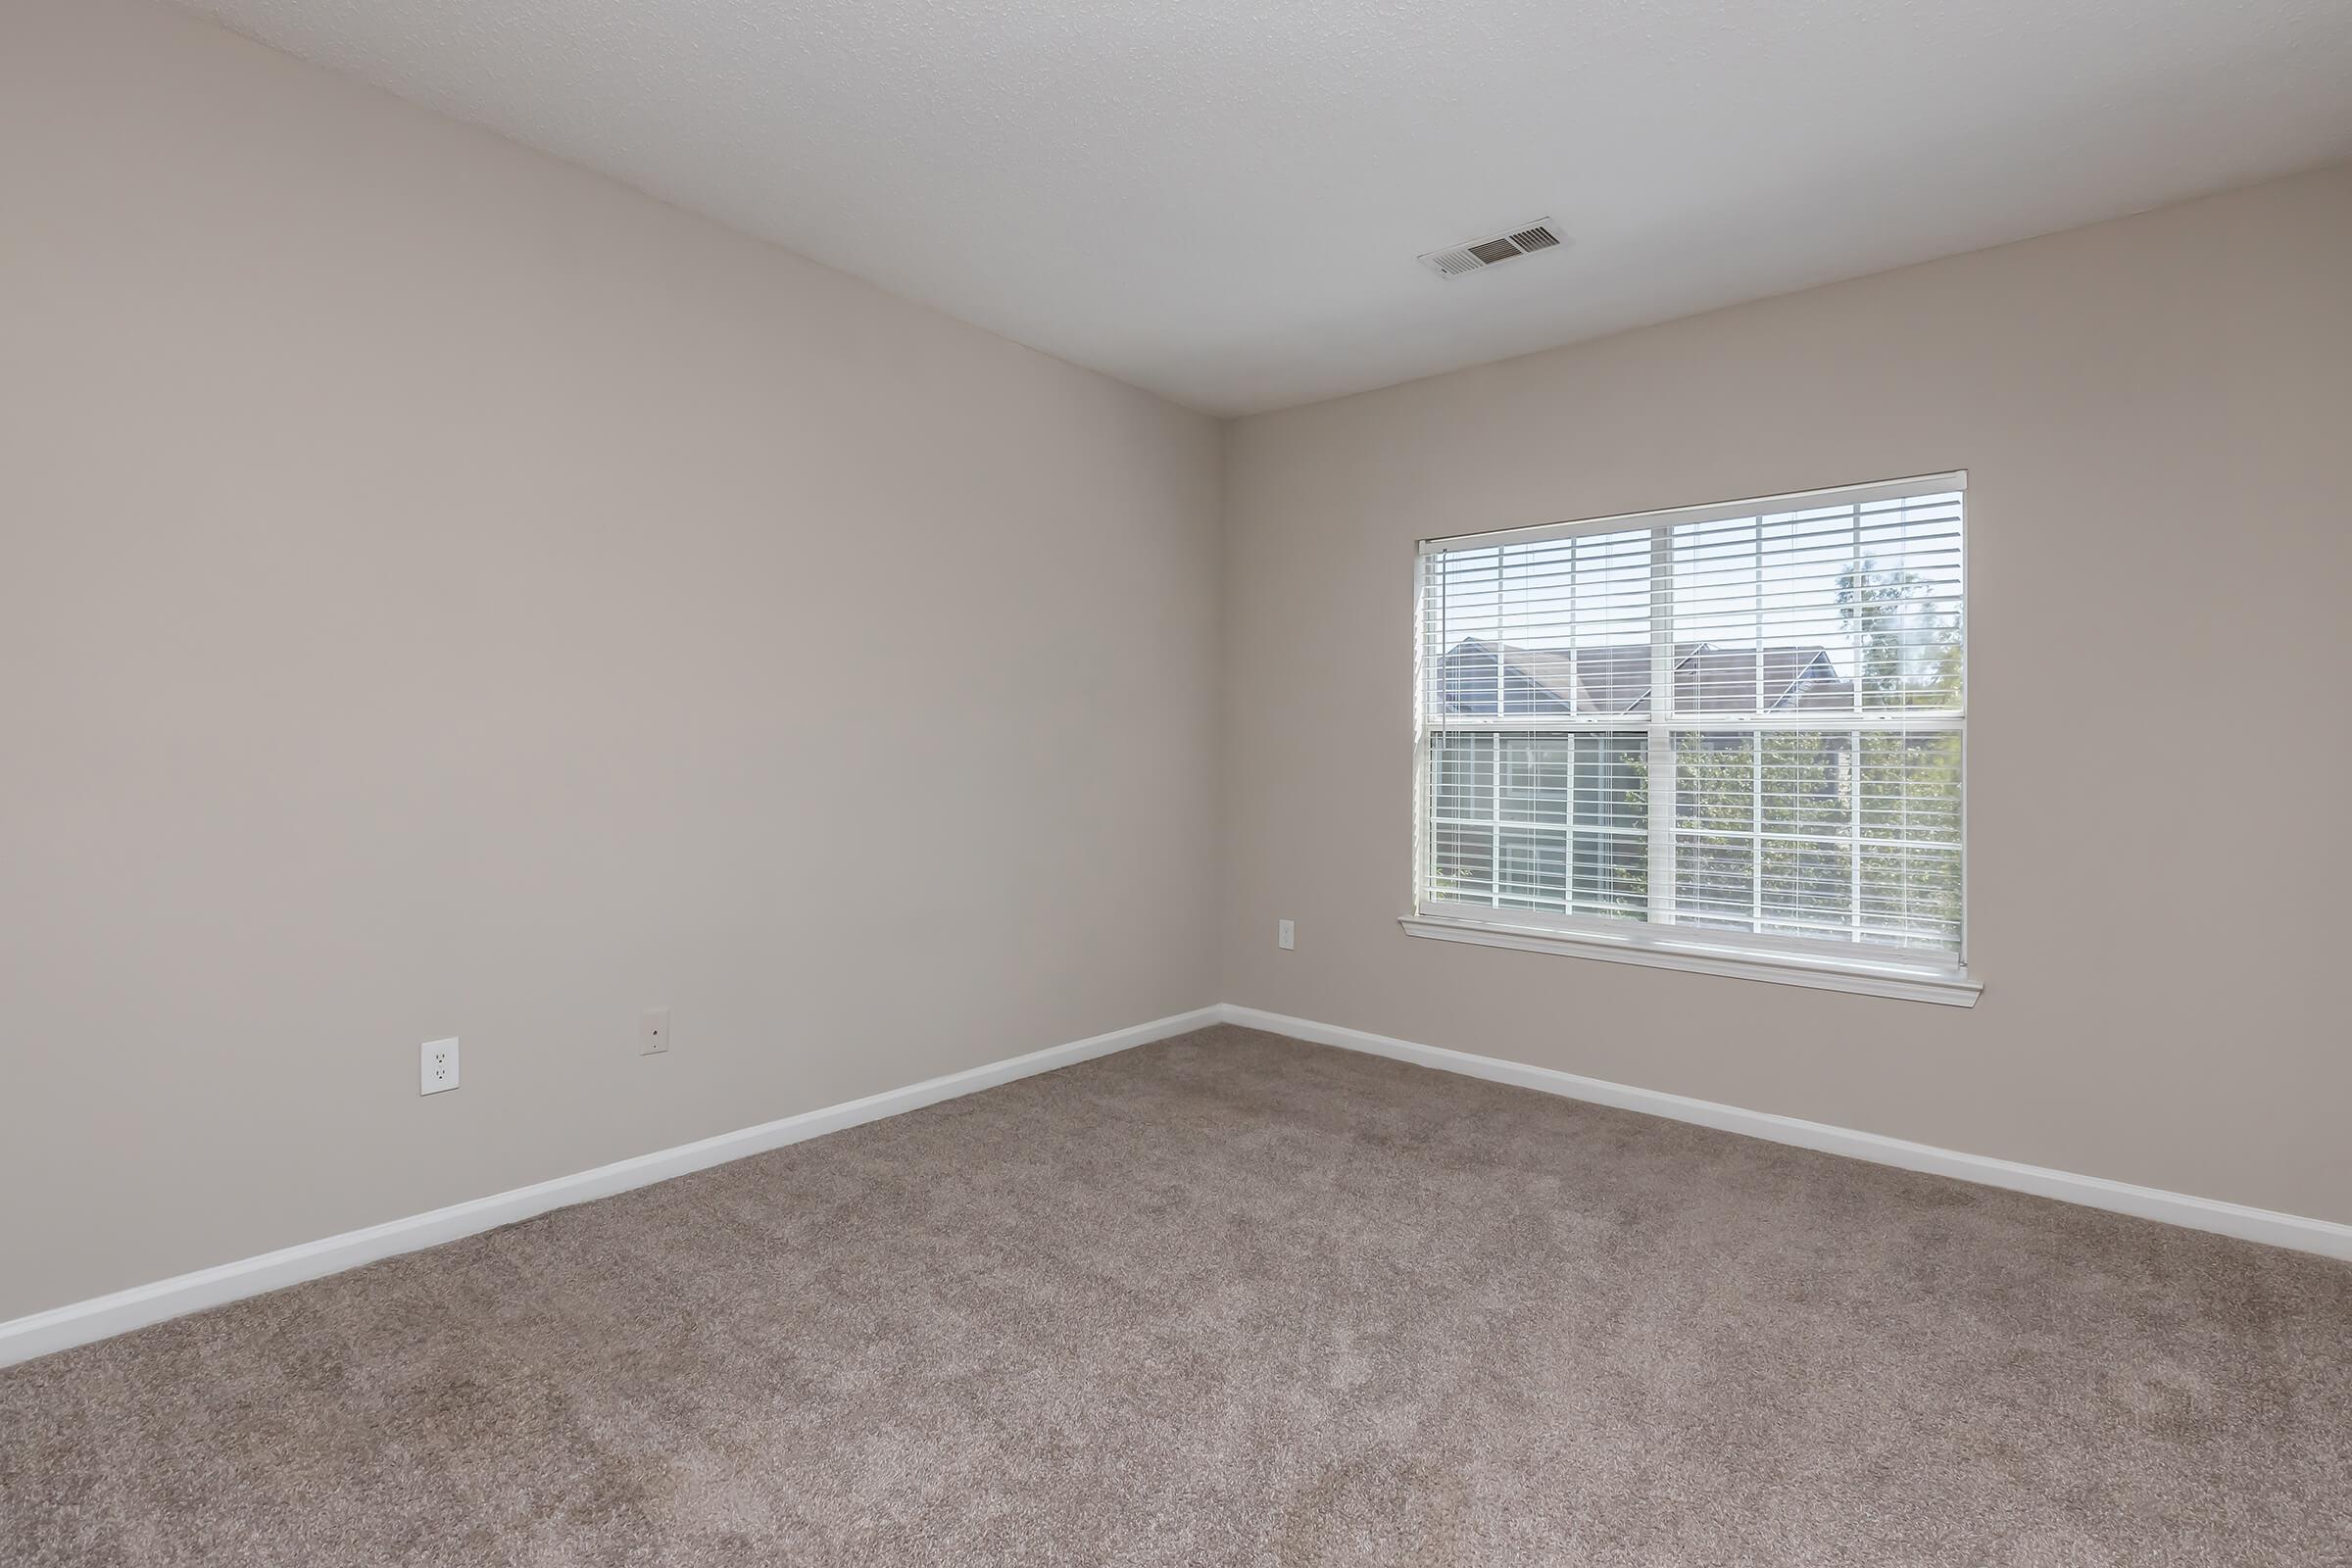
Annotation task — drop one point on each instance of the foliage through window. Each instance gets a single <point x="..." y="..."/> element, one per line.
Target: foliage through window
<point x="1740" y="718"/>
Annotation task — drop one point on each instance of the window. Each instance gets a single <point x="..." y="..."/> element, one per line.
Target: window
<point x="1728" y="737"/>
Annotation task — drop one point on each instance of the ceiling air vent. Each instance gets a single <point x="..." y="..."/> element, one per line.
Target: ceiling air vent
<point x="1480" y="254"/>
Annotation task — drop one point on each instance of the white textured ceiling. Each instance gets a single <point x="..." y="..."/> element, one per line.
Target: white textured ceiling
<point x="1221" y="200"/>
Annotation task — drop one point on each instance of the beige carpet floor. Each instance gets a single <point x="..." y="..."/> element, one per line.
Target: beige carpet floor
<point x="1230" y="1298"/>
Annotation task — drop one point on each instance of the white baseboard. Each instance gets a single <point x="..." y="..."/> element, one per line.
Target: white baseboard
<point x="2325" y="1236"/>
<point x="101" y="1317"/>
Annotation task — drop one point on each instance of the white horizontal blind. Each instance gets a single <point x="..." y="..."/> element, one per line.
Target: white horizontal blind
<point x="1745" y="718"/>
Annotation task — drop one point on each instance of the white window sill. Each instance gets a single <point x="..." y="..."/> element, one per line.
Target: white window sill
<point x="1707" y="954"/>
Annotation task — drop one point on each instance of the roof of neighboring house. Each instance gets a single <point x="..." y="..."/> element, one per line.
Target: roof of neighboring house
<point x="1615" y="678"/>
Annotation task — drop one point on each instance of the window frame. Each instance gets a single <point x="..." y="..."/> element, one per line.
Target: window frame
<point x="1909" y="973"/>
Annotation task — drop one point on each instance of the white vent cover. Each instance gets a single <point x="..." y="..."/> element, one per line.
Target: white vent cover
<point x="1480" y="254"/>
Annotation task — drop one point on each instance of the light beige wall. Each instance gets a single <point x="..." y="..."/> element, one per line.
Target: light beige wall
<point x="2156" y="418"/>
<point x="447" y="593"/>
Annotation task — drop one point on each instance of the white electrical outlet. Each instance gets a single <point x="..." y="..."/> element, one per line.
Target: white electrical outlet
<point x="1285" y="935"/>
<point x="653" y="1031"/>
<point x="437" y="1066"/>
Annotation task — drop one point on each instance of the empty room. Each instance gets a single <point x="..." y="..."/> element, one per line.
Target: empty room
<point x="1152" y="786"/>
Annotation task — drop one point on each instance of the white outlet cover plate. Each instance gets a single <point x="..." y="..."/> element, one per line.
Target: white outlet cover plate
<point x="437" y="1066"/>
<point x="653" y="1031"/>
<point x="1286" y="934"/>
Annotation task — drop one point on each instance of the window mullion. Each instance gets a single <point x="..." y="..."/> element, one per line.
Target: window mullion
<point x="1854" y="556"/>
<point x="1853" y="838"/>
<point x="1755" y="741"/>
<point x="1755" y="817"/>
<point x="1494" y="803"/>
<point x="1661" y="751"/>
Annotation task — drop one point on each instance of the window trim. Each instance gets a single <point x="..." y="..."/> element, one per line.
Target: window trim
<point x="1860" y="968"/>
<point x="1693" y="949"/>
<point x="1845" y="495"/>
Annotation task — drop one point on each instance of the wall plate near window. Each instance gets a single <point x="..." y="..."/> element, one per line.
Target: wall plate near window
<point x="1728" y="738"/>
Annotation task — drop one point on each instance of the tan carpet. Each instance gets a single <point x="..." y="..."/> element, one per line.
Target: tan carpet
<point x="1231" y="1298"/>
